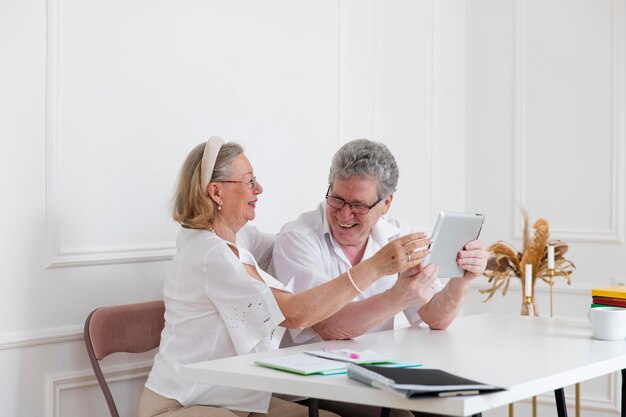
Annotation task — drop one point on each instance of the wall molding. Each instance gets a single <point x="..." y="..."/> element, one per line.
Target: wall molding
<point x="339" y="66"/>
<point x="431" y="116"/>
<point x="57" y="383"/>
<point x="57" y="256"/>
<point x="40" y="337"/>
<point x="615" y="234"/>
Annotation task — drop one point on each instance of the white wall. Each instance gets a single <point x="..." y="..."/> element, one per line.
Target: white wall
<point x="101" y="101"/>
<point x="483" y="103"/>
<point x="546" y="128"/>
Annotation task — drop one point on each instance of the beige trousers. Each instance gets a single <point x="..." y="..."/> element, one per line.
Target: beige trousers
<point x="358" y="410"/>
<point x="152" y="404"/>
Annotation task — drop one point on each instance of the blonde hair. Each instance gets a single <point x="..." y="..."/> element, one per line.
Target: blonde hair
<point x="192" y="207"/>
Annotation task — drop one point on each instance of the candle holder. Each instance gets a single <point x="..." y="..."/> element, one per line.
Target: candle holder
<point x="551" y="283"/>
<point x="545" y="256"/>
<point x="528" y="307"/>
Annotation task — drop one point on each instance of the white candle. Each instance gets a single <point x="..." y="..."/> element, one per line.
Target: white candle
<point x="528" y="280"/>
<point x="550" y="257"/>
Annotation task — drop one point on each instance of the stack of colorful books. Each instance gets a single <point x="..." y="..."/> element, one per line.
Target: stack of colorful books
<point x="611" y="296"/>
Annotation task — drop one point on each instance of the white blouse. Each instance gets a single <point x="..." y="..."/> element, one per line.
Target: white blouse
<point x="214" y="309"/>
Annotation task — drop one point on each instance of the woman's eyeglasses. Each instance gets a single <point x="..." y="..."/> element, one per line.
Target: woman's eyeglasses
<point x="251" y="183"/>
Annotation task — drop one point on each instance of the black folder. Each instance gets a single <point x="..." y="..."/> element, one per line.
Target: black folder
<point x="418" y="382"/>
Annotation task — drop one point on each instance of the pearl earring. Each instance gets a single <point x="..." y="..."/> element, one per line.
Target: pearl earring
<point x="219" y="208"/>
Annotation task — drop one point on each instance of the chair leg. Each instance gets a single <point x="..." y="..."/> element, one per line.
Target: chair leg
<point x="314" y="407"/>
<point x="561" y="408"/>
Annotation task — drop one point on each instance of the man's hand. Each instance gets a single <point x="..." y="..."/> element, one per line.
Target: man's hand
<point x="416" y="285"/>
<point x="473" y="259"/>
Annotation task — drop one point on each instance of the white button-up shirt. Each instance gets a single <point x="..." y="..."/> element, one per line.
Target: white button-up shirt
<point x="307" y="252"/>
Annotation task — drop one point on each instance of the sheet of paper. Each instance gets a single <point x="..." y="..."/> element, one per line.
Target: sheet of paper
<point x="353" y="356"/>
<point x="302" y="364"/>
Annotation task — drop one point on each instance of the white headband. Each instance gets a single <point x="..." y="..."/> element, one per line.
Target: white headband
<point x="211" y="149"/>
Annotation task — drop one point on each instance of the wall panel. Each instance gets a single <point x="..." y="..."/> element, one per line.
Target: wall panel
<point x="545" y="129"/>
<point x="403" y="112"/>
<point x="132" y="89"/>
<point x="568" y="105"/>
<point x="402" y="80"/>
<point x="74" y="393"/>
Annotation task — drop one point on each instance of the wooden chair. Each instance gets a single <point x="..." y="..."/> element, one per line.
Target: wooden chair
<point x="133" y="328"/>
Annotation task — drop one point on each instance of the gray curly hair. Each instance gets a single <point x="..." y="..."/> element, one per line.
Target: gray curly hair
<point x="366" y="158"/>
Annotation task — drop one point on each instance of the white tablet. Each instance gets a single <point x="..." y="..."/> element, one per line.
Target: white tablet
<point x="452" y="231"/>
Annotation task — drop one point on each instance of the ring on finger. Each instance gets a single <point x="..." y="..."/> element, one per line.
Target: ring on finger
<point x="408" y="256"/>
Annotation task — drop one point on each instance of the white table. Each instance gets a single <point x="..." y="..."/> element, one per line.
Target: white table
<point x="528" y="356"/>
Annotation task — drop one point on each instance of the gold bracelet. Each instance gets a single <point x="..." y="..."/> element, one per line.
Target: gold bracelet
<point x="353" y="283"/>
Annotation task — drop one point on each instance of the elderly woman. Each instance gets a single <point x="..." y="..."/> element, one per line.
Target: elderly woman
<point x="219" y="303"/>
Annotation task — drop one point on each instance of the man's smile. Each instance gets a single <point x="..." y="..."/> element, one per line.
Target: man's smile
<point x="345" y="225"/>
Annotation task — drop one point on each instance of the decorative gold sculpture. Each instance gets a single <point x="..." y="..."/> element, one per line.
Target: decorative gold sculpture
<point x="505" y="262"/>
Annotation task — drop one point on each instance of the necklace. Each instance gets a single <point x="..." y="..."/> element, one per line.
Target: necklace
<point x="212" y="230"/>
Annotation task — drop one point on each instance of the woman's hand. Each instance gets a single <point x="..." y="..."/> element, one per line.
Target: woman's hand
<point x="400" y="254"/>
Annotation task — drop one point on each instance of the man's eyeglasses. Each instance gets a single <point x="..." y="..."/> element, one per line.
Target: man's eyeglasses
<point x="356" y="208"/>
<point x="251" y="183"/>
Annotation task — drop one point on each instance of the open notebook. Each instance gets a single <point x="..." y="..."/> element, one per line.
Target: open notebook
<point x="328" y="363"/>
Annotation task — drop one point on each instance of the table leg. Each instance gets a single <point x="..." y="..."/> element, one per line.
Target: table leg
<point x="314" y="407"/>
<point x="623" y="412"/>
<point x="578" y="400"/>
<point x="385" y="412"/>
<point x="561" y="408"/>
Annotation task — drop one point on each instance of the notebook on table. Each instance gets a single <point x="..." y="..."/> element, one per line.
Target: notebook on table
<point x="417" y="382"/>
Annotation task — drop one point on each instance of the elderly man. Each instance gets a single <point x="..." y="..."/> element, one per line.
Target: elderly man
<point x="349" y="227"/>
